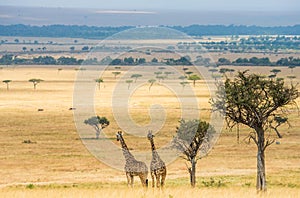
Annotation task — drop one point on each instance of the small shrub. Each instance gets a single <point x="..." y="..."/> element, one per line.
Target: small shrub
<point x="213" y="183"/>
<point x="30" y="186"/>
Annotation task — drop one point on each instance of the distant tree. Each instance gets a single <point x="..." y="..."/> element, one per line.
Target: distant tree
<point x="59" y="70"/>
<point x="213" y="70"/>
<point x="224" y="61"/>
<point x="24" y="48"/>
<point x="292" y="68"/>
<point x="275" y="71"/>
<point x="151" y="81"/>
<point x="117" y="68"/>
<point x="254" y="101"/>
<point x="75" y="41"/>
<point x="189" y="73"/>
<point x="98" y="123"/>
<point x="129" y="83"/>
<point x="72" y="48"/>
<point x="116" y="73"/>
<point x="99" y="81"/>
<point x="224" y="70"/>
<point x="35" y="82"/>
<point x="136" y="76"/>
<point x="167" y="73"/>
<point x="7" y="83"/>
<point x="182" y="78"/>
<point x="106" y="60"/>
<point x="157" y="73"/>
<point x="116" y="61"/>
<point x="216" y="76"/>
<point x="278" y="121"/>
<point x="160" y="78"/>
<point x="141" y="61"/>
<point x="291" y="78"/>
<point x="194" y="78"/>
<point x="154" y="60"/>
<point x="85" y="48"/>
<point x="272" y="76"/>
<point x="17" y="41"/>
<point x="183" y="84"/>
<point x="231" y="71"/>
<point x="191" y="137"/>
<point x="128" y="61"/>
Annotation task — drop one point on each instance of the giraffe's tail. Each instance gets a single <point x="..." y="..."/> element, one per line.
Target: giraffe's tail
<point x="146" y="183"/>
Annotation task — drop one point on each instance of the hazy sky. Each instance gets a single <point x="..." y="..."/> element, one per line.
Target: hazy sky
<point x="252" y="5"/>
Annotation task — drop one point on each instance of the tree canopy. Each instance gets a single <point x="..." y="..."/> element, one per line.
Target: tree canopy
<point x="254" y="101"/>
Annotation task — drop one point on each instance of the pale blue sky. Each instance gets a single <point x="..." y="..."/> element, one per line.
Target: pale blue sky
<point x="248" y="5"/>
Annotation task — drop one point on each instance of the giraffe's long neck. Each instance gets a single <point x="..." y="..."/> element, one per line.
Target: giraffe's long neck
<point x="154" y="152"/>
<point x="128" y="156"/>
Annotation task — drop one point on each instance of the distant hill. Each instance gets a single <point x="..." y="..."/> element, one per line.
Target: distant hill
<point x="93" y="32"/>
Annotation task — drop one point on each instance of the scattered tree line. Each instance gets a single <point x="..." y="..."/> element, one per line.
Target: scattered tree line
<point x="235" y="44"/>
<point x="265" y="61"/>
<point x="10" y="59"/>
<point x="76" y="31"/>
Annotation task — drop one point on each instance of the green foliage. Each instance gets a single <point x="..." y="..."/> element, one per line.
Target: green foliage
<point x="35" y="82"/>
<point x="151" y="81"/>
<point x="30" y="186"/>
<point x="97" y="120"/>
<point x="116" y="73"/>
<point x="154" y="60"/>
<point x="99" y="81"/>
<point x="213" y="183"/>
<point x="194" y="78"/>
<point x="136" y="76"/>
<point x="129" y="82"/>
<point x="250" y="99"/>
<point x="98" y="123"/>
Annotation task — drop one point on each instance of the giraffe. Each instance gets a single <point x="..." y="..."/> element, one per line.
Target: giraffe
<point x="157" y="167"/>
<point x="132" y="166"/>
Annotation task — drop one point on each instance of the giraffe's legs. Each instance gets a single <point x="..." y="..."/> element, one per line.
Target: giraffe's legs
<point x="132" y="179"/>
<point x="128" y="179"/>
<point x="163" y="177"/>
<point x="158" y="180"/>
<point x="153" y="180"/>
<point x="144" y="180"/>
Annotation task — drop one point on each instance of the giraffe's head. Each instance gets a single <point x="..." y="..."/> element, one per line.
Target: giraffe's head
<point x="150" y="135"/>
<point x="119" y="135"/>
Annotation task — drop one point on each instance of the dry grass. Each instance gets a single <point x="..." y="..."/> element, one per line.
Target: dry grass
<point x="57" y="159"/>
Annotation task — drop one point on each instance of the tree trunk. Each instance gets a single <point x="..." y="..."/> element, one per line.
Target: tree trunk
<point x="238" y="133"/>
<point x="193" y="172"/>
<point x="261" y="183"/>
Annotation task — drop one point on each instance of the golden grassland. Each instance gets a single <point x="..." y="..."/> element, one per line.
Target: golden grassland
<point x="56" y="163"/>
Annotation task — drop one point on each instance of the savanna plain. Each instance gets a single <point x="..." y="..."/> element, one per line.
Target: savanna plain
<point x="42" y="154"/>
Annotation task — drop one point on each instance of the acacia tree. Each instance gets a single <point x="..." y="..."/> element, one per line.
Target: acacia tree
<point x="194" y="78"/>
<point x="136" y="76"/>
<point x="116" y="73"/>
<point x="7" y="83"/>
<point x="254" y="101"/>
<point x="99" y="81"/>
<point x="183" y="84"/>
<point x="151" y="81"/>
<point x="129" y="83"/>
<point x="191" y="137"/>
<point x="35" y="82"/>
<point x="98" y="123"/>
